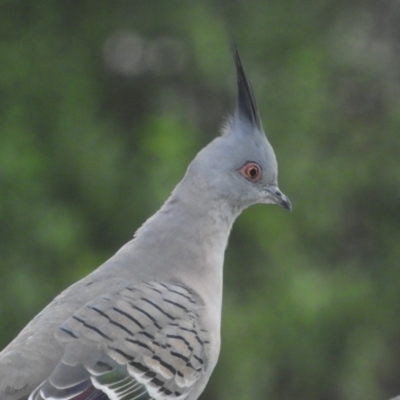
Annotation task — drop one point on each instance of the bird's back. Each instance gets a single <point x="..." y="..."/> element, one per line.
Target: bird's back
<point x="29" y="359"/>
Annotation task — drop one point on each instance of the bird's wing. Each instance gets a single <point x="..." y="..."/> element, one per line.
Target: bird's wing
<point x="143" y="342"/>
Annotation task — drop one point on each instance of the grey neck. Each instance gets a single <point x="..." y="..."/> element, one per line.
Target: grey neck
<point x="191" y="216"/>
<point x="188" y="235"/>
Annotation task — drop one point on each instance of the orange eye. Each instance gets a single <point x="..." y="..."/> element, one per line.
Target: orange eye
<point x="251" y="171"/>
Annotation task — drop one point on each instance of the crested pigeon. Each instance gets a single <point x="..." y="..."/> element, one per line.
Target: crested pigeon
<point x="146" y="324"/>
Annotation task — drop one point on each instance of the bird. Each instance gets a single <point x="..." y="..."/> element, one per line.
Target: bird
<point x="145" y="325"/>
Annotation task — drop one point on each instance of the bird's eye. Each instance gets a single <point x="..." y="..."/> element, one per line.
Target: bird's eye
<point x="251" y="171"/>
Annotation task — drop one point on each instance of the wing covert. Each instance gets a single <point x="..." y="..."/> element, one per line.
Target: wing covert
<point x="144" y="341"/>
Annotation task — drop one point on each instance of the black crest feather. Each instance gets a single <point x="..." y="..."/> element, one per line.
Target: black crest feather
<point x="246" y="106"/>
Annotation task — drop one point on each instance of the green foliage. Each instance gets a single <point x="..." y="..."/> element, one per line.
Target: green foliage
<point x="92" y="141"/>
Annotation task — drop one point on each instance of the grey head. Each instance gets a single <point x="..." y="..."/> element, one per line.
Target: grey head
<point x="239" y="168"/>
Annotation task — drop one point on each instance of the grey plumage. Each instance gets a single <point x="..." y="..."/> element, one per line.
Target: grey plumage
<point x="146" y="324"/>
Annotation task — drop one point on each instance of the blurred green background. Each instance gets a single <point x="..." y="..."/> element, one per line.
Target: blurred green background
<point x="104" y="103"/>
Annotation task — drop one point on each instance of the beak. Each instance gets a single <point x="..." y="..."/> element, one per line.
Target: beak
<point x="279" y="198"/>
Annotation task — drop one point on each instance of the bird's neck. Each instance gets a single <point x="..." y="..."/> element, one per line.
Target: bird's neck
<point x="188" y="237"/>
<point x="197" y="228"/>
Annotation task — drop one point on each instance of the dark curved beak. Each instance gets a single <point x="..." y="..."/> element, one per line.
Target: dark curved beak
<point x="279" y="198"/>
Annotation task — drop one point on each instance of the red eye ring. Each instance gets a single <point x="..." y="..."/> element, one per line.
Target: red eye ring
<point x="251" y="171"/>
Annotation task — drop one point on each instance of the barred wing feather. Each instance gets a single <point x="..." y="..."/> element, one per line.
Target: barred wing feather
<point x="143" y="342"/>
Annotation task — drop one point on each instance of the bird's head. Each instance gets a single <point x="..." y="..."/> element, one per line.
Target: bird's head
<point x="240" y="165"/>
